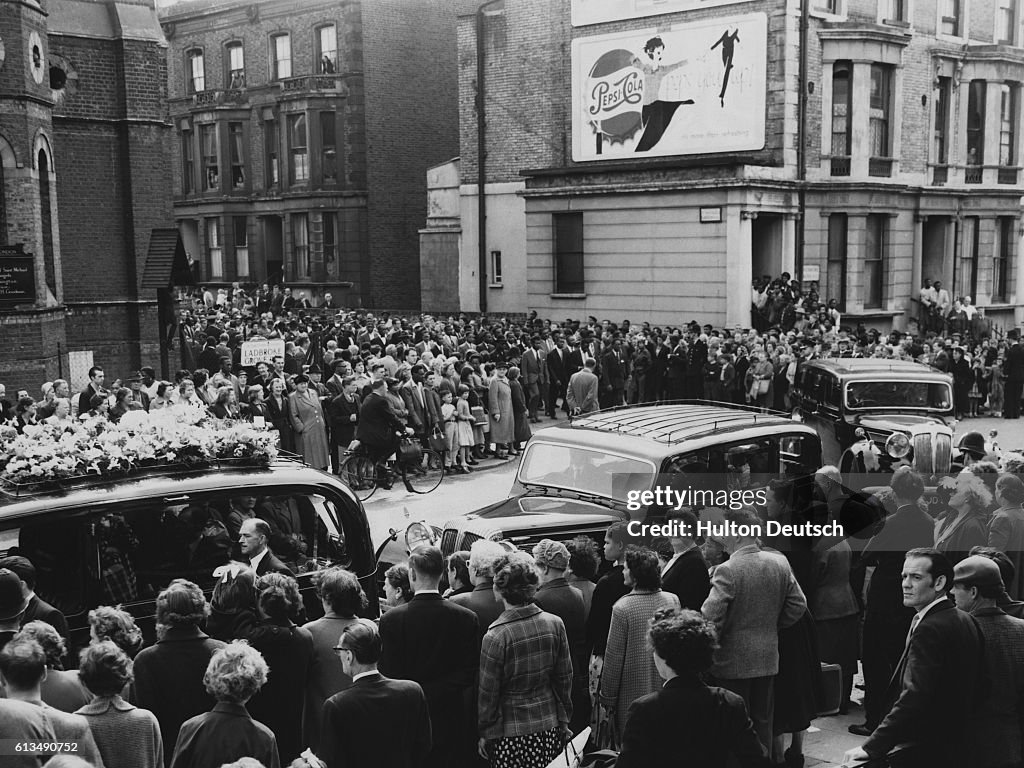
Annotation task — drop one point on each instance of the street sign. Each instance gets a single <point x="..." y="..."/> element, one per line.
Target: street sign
<point x="17" y="275"/>
<point x="261" y="351"/>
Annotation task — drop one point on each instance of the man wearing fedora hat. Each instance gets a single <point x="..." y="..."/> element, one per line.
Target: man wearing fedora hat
<point x="995" y="729"/>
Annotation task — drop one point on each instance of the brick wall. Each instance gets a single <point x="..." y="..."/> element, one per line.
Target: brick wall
<point x="528" y="81"/>
<point x="409" y="58"/>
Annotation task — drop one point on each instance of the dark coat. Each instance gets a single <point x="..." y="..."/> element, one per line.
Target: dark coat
<point x="609" y="589"/>
<point x="1013" y="364"/>
<point x="566" y="602"/>
<point x="711" y="722"/>
<point x="222" y="736"/>
<point x="281" y="421"/>
<point x="935" y="684"/>
<point x="613" y="370"/>
<point x="434" y="642"/>
<point x="270" y="564"/>
<point x="288" y="652"/>
<point x="169" y="680"/>
<point x="483" y="603"/>
<point x="40" y="610"/>
<point x="688" y="580"/>
<point x="908" y="527"/>
<point x="377" y="422"/>
<point x="339" y="416"/>
<point x="378" y="721"/>
<point x="996" y="731"/>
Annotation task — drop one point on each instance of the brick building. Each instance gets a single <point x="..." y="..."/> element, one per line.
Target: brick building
<point x="82" y="131"/>
<point x="303" y="132"/>
<point x="647" y="160"/>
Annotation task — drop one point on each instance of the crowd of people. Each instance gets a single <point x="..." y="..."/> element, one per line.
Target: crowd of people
<point x="477" y="385"/>
<point x="495" y="657"/>
<point x="713" y="647"/>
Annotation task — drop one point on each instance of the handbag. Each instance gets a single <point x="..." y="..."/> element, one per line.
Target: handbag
<point x="479" y="417"/>
<point x="762" y="386"/>
<point x="437" y="441"/>
<point x="409" y="452"/>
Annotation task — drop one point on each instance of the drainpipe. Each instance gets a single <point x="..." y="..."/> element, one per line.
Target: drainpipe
<point x="481" y="155"/>
<point x="801" y="145"/>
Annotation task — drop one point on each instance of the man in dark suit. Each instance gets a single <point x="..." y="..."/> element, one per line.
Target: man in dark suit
<point x="94" y="387"/>
<point x="1013" y="368"/>
<point x="937" y="679"/>
<point x="434" y="642"/>
<point x="558" y="376"/>
<point x="252" y="540"/>
<point x="886" y="618"/>
<point x="613" y="375"/>
<point x="377" y="720"/>
<point x="535" y="376"/>
<point x="686" y="574"/>
<point x="37" y="609"/>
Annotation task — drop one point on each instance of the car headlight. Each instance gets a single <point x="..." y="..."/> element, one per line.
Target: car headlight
<point x="897" y="445"/>
<point x="418" y="534"/>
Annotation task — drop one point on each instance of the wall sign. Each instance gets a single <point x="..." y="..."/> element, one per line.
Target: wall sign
<point x="694" y="89"/>
<point x="17" y="275"/>
<point x="711" y="215"/>
<point x="598" y="11"/>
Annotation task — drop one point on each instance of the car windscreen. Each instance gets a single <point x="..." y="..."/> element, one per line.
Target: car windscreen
<point x="584" y="470"/>
<point x="926" y="395"/>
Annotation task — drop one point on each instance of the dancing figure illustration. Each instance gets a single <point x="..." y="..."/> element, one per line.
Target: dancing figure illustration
<point x="728" y="42"/>
<point x="656" y="114"/>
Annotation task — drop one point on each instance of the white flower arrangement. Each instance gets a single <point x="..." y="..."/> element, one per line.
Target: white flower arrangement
<point x="182" y="434"/>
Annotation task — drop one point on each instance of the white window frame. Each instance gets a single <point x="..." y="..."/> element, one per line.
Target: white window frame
<point x="229" y="50"/>
<point x="496" y="269"/>
<point x="275" y="62"/>
<point x="214" y="247"/>
<point x="318" y="46"/>
<point x="965" y="21"/>
<point x="819" y="13"/>
<point x="997" y="25"/>
<point x="196" y="81"/>
<point x="885" y="14"/>
<point x="241" y="251"/>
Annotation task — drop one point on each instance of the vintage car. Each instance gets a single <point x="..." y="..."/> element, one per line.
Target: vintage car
<point x="579" y="477"/>
<point x="100" y="540"/>
<point x="874" y="415"/>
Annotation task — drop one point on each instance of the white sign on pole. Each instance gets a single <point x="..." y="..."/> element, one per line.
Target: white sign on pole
<point x="261" y="351"/>
<point x="79" y="364"/>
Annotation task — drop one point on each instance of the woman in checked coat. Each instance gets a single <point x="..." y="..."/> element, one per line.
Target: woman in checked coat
<point x="629" y="670"/>
<point x="499" y="402"/>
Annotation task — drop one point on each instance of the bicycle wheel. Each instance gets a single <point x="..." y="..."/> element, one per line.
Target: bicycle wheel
<point x="360" y="474"/>
<point x="427" y="473"/>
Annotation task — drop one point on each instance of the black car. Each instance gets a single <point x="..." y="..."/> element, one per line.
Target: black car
<point x="101" y="540"/>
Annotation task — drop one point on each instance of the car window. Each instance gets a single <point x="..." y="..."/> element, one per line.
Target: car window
<point x="58" y="548"/>
<point x="584" y="470"/>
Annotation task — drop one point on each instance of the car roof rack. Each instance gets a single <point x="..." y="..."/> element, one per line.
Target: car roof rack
<point x="672" y="421"/>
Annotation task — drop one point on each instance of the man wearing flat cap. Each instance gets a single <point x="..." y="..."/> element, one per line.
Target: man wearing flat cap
<point x="995" y="725"/>
<point x="555" y="595"/>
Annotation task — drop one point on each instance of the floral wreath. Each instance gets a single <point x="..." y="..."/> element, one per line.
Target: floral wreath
<point x="180" y="434"/>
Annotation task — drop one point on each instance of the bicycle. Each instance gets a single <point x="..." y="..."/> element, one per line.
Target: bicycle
<point x="423" y="470"/>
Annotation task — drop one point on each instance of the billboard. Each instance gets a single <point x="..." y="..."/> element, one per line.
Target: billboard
<point x="692" y="89"/>
<point x="599" y="11"/>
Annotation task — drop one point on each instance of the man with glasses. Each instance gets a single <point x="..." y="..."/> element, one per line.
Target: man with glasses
<point x="376" y="720"/>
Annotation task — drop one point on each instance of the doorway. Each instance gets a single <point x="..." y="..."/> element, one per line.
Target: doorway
<point x="936" y="256"/>
<point x="766" y="245"/>
<point x="273" y="249"/>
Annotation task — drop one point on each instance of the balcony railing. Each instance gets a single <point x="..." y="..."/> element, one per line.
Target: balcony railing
<point x="1007" y="175"/>
<point x="940" y="175"/>
<point x="880" y="166"/>
<point x="841" y="166"/>
<point x="212" y="98"/>
<point x="312" y="83"/>
<point x="973" y="174"/>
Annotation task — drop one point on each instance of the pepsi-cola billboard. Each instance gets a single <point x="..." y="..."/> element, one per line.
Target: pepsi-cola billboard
<point x="692" y="89"/>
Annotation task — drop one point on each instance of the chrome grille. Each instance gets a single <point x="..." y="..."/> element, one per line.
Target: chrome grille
<point x="943" y="452"/>
<point x="449" y="538"/>
<point x="467" y="541"/>
<point x="924" y="459"/>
